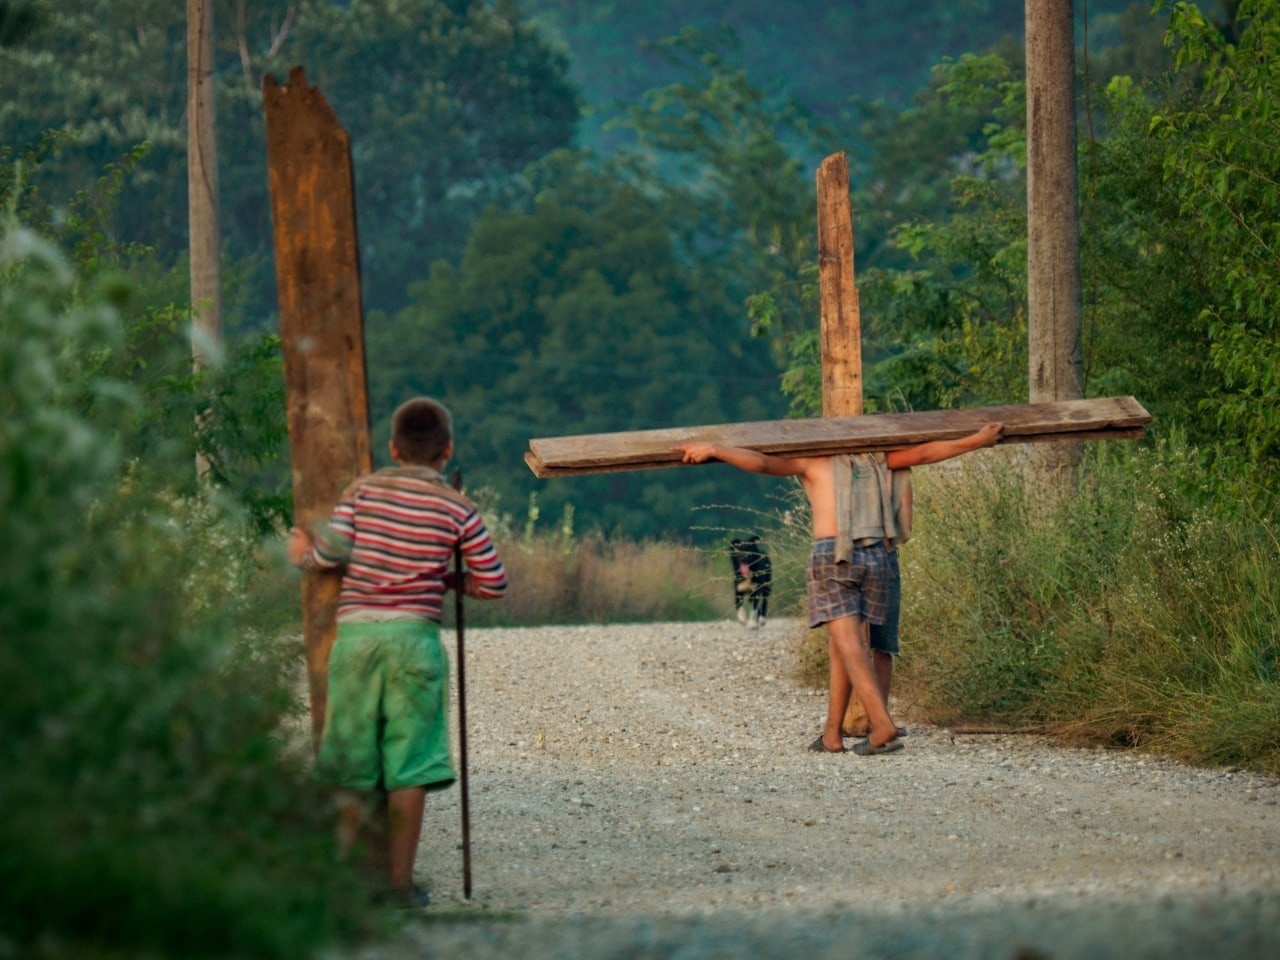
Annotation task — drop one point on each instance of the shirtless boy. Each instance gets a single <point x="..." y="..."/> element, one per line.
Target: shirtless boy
<point x="846" y="580"/>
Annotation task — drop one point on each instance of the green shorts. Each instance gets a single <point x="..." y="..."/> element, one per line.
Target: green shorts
<point x="385" y="717"/>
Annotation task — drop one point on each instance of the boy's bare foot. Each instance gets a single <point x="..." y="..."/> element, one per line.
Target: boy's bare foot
<point x="820" y="746"/>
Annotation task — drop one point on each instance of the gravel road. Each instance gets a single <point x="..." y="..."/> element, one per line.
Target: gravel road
<point x="644" y="791"/>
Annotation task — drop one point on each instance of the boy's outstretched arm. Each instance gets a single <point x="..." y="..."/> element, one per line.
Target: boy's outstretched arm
<point x="750" y="460"/>
<point x="936" y="450"/>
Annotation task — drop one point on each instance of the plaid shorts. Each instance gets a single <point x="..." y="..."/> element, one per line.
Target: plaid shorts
<point x="859" y="588"/>
<point x="884" y="637"/>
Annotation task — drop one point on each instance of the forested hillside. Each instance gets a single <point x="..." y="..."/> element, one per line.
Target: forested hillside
<point x="543" y="285"/>
<point x="822" y="54"/>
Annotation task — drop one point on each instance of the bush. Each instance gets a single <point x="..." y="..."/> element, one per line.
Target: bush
<point x="150" y="805"/>
<point x="1142" y="613"/>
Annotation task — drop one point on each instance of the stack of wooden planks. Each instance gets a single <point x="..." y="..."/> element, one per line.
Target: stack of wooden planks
<point x="1101" y="419"/>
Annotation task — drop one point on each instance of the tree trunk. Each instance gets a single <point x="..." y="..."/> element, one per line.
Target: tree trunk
<point x="1053" y="231"/>
<point x="202" y="195"/>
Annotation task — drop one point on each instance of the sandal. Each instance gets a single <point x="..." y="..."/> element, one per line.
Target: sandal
<point x="865" y="748"/>
<point x="863" y="729"/>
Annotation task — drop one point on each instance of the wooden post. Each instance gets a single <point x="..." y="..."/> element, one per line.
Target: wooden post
<point x="841" y="317"/>
<point x="203" y="233"/>
<point x="841" y="320"/>
<point x="1053" y="232"/>
<point x="322" y="330"/>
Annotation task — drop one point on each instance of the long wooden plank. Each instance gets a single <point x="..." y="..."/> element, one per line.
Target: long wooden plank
<point x="322" y="331"/>
<point x="544" y="472"/>
<point x="1105" y="418"/>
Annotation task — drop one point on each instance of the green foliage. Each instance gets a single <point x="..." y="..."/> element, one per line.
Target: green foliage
<point x="152" y="805"/>
<point x="1218" y="166"/>
<point x="1142" y="613"/>
<point x="943" y="281"/>
<point x="445" y="100"/>
<point x="111" y="77"/>
<point x="80" y="219"/>
<point x="1179" y="255"/>
<point x="706" y="138"/>
<point x="1178" y="260"/>
<point x="575" y="316"/>
<point x="821" y="56"/>
<point x="237" y="400"/>
<point x="966" y="122"/>
<point x="231" y="412"/>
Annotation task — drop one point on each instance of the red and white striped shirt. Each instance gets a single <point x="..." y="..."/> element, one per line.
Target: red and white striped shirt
<point x="393" y="534"/>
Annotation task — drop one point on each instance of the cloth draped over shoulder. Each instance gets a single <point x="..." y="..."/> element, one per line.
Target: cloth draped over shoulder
<point x="871" y="503"/>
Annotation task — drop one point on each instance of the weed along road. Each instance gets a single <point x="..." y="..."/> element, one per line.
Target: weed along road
<point x="642" y="789"/>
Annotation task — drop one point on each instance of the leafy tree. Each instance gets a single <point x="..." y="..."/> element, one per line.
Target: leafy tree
<point x="112" y="75"/>
<point x="941" y="272"/>
<point x="575" y="315"/>
<point x="445" y="100"/>
<point x="703" y="143"/>
<point x="238" y="398"/>
<point x="818" y="55"/>
<point x="1199" y="257"/>
<point x="950" y="329"/>
<point x="1178" y="260"/>
<point x="614" y="298"/>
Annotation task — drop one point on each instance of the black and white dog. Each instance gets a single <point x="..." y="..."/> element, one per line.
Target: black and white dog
<point x="752" y="578"/>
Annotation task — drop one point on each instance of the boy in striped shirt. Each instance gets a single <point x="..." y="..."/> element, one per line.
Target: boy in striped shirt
<point x="393" y="534"/>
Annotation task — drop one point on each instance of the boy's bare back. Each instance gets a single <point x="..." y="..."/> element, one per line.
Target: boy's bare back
<point x="816" y="476"/>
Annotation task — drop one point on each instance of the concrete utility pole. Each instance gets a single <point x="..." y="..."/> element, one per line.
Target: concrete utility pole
<point x="1053" y="228"/>
<point x="204" y="241"/>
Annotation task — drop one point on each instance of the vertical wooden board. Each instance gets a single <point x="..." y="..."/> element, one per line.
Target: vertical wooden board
<point x="322" y="330"/>
<point x="841" y="321"/>
<point x="841" y="331"/>
<point x="1053" y="230"/>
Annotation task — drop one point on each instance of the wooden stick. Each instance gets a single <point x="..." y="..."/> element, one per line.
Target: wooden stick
<point x="459" y="573"/>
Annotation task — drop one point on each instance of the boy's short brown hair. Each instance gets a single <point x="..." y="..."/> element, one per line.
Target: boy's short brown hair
<point x="421" y="430"/>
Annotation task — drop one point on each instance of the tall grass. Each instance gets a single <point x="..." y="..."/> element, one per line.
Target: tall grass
<point x="558" y="576"/>
<point x="1142" y="613"/>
